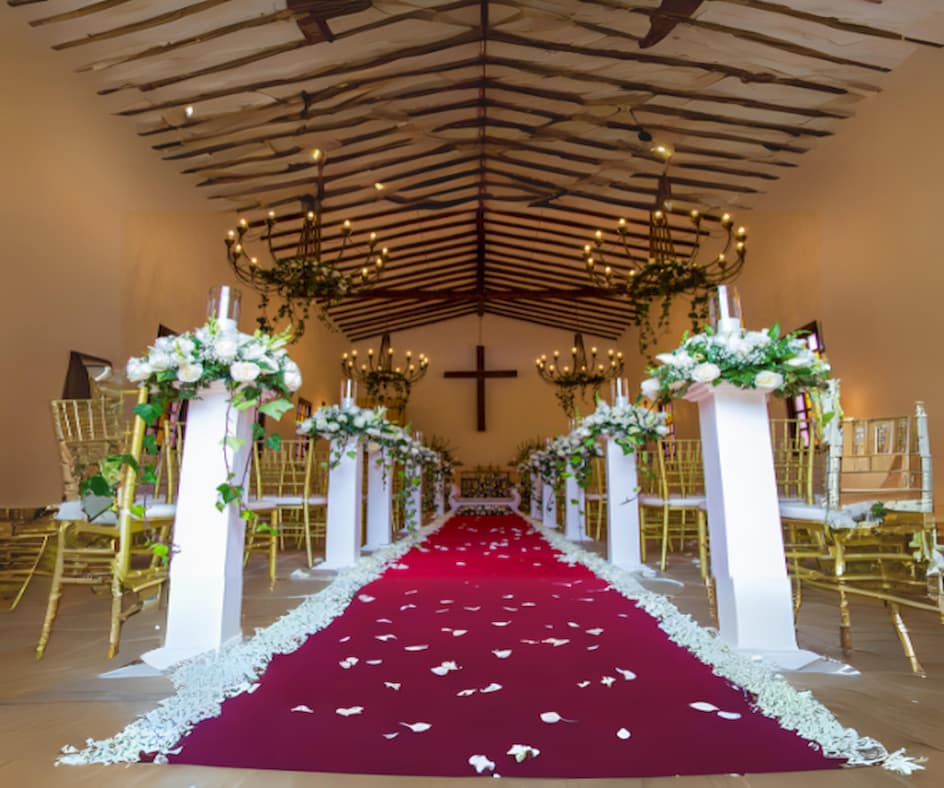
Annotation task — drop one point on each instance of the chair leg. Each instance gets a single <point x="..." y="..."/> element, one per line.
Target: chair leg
<point x="712" y="599"/>
<point x="306" y="516"/>
<point x="845" y="622"/>
<point x="702" y="526"/>
<point x="665" y="538"/>
<point x="114" y="634"/>
<point x="905" y="639"/>
<point x="32" y="571"/>
<point x="273" y="547"/>
<point x="55" y="593"/>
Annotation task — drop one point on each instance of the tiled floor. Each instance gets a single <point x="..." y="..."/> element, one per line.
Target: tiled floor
<point x="61" y="700"/>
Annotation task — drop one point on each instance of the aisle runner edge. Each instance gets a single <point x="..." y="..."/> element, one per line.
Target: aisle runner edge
<point x="775" y="697"/>
<point x="204" y="682"/>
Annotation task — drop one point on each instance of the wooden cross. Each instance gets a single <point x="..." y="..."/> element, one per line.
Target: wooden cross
<point x="480" y="374"/>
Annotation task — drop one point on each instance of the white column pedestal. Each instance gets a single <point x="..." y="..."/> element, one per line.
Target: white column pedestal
<point x="623" y="548"/>
<point x="755" y="610"/>
<point x="575" y="512"/>
<point x="536" y="496"/>
<point x="379" y="501"/>
<point x="548" y="505"/>
<point x="204" y="602"/>
<point x="343" y="533"/>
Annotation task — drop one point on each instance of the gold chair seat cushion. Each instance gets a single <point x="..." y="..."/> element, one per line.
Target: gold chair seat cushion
<point x="687" y="501"/>
<point x="818" y="513"/>
<point x="71" y="511"/>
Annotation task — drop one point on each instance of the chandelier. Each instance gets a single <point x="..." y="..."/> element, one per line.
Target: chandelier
<point x="665" y="273"/>
<point x="307" y="276"/>
<point x="584" y="374"/>
<point x="386" y="384"/>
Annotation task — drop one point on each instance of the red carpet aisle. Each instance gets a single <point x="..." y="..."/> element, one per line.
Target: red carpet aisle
<point x="482" y="643"/>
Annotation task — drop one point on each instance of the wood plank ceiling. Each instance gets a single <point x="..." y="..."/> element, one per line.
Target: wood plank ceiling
<point x="504" y="133"/>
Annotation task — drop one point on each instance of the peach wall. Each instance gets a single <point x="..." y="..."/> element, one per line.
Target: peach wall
<point x="851" y="238"/>
<point x="103" y="242"/>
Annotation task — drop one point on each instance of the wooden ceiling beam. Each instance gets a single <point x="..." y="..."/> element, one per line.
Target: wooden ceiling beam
<point x="337" y="71"/>
<point x="405" y="324"/>
<point x="619" y="55"/>
<point x="832" y="22"/>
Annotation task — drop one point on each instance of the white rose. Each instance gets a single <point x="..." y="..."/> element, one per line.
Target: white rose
<point x="666" y="358"/>
<point x="225" y="347"/>
<point x="767" y="379"/>
<point x="650" y="388"/>
<point x="160" y="361"/>
<point x="804" y="359"/>
<point x="705" y="373"/>
<point x="189" y="373"/>
<point x="253" y="351"/>
<point x="293" y="380"/>
<point x="244" y="371"/>
<point x="360" y="422"/>
<point x="138" y="369"/>
<point x="184" y="346"/>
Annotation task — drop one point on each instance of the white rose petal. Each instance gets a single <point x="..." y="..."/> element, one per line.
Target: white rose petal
<point x="244" y="371"/>
<point x="705" y="373"/>
<point x="768" y="379"/>
<point x="225" y="348"/>
<point x="650" y="388"/>
<point x="189" y="373"/>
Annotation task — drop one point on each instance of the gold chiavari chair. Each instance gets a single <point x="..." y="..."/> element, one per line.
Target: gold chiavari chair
<point x="595" y="499"/>
<point x="293" y="479"/>
<point x="675" y="509"/>
<point x="110" y="553"/>
<point x="86" y="430"/>
<point x="873" y="533"/>
<point x="20" y="555"/>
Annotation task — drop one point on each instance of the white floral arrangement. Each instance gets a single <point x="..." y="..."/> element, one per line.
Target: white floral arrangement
<point x="178" y="367"/>
<point x="335" y="422"/>
<point x="629" y="425"/>
<point x="746" y="359"/>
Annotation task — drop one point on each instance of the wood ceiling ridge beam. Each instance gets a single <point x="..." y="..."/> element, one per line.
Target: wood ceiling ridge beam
<point x="337" y="70"/>
<point x="757" y="38"/>
<point x="746" y="76"/>
<point x="144" y="24"/>
<point x="833" y="22"/>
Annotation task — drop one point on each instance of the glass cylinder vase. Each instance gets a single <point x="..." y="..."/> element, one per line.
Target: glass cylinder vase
<point x="223" y="304"/>
<point x="724" y="309"/>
